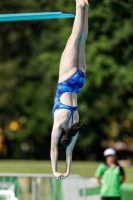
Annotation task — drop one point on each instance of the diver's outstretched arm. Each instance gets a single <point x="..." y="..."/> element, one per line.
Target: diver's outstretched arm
<point x="56" y="132"/>
<point x="69" y="151"/>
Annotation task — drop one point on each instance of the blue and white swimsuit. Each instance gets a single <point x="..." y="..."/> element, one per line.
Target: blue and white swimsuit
<point x="73" y="84"/>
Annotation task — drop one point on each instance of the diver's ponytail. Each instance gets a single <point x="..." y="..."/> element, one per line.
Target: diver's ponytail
<point x="77" y="127"/>
<point x="66" y="135"/>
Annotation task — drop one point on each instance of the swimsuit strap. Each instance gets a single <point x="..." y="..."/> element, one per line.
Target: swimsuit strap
<point x="71" y="115"/>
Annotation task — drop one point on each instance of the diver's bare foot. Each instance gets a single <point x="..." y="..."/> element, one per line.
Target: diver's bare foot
<point x="82" y="3"/>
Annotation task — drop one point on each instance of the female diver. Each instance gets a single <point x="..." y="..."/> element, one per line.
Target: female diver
<point x="71" y="79"/>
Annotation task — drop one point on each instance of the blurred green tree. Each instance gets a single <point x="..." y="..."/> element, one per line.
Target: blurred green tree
<point x="29" y="59"/>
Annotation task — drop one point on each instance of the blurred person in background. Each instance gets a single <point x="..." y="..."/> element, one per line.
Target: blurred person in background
<point x="71" y="79"/>
<point x="110" y="176"/>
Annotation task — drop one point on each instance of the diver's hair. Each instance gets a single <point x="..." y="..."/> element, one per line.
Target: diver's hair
<point x="64" y="139"/>
<point x="66" y="135"/>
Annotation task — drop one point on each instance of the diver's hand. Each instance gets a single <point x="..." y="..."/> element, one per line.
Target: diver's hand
<point x="58" y="175"/>
<point x="65" y="175"/>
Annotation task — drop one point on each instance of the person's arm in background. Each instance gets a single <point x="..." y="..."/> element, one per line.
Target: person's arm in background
<point x="99" y="172"/>
<point x="98" y="179"/>
<point x="123" y="177"/>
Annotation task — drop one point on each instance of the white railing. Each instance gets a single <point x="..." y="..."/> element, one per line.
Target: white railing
<point x="46" y="187"/>
<point x="8" y="194"/>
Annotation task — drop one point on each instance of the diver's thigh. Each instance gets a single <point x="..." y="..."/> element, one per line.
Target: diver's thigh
<point x="69" y="58"/>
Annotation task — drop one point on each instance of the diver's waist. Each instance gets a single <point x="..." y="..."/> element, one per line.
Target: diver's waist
<point x="59" y="105"/>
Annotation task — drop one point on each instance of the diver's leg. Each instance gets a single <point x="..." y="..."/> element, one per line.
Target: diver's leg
<point x="68" y="63"/>
<point x="81" y="46"/>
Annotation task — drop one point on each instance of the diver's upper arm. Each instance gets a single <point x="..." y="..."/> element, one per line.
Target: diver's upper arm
<point x="56" y="132"/>
<point x="69" y="148"/>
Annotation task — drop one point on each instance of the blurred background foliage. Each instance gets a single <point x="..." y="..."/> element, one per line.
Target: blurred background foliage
<point x="29" y="59"/>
